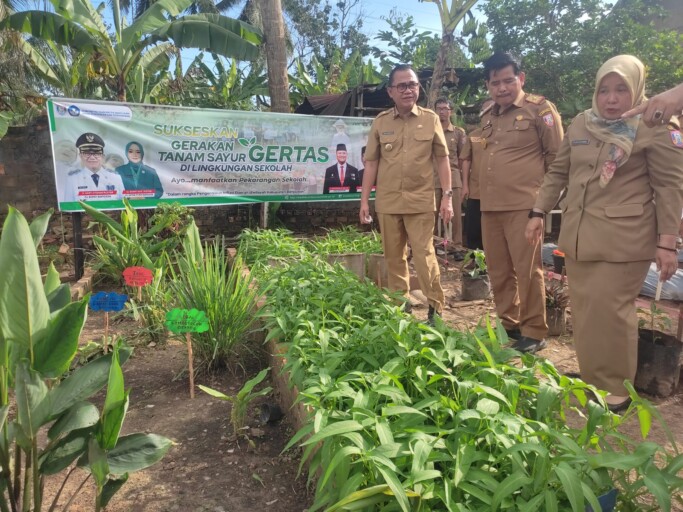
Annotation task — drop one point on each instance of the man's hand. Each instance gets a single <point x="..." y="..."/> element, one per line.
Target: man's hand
<point x="667" y="263"/>
<point x="446" y="209"/>
<point x="364" y="214"/>
<point x="659" y="109"/>
<point x="464" y="193"/>
<point x="534" y="230"/>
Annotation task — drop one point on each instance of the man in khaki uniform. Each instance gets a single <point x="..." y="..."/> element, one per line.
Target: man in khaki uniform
<point x="520" y="134"/>
<point x="401" y="145"/>
<point x="471" y="162"/>
<point x="455" y="139"/>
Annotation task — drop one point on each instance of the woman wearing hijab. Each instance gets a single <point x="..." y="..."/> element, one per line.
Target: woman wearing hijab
<point x="624" y="185"/>
<point x="138" y="176"/>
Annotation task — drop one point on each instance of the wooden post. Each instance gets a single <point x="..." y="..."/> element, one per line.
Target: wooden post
<point x="190" y="365"/>
<point x="79" y="255"/>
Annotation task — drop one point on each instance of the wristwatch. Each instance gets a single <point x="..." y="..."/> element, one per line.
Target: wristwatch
<point x="533" y="214"/>
<point x="448" y="193"/>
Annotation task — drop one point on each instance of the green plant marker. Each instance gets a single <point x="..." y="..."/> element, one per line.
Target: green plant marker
<point x="187" y="321"/>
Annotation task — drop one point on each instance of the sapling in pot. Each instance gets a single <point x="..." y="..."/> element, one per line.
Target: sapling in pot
<point x="475" y="279"/>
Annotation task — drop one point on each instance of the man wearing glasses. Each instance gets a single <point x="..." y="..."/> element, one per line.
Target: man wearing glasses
<point x="520" y="136"/>
<point x="92" y="181"/>
<point x="401" y="145"/>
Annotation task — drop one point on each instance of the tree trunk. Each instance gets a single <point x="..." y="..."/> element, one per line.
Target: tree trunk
<point x="438" y="74"/>
<point x="276" y="54"/>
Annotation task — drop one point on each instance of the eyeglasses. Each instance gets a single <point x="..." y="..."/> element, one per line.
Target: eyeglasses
<point x="413" y="86"/>
<point x="443" y="109"/>
<point x="91" y="152"/>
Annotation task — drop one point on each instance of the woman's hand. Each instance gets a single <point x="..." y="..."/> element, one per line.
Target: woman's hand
<point x="534" y="230"/>
<point x="667" y="263"/>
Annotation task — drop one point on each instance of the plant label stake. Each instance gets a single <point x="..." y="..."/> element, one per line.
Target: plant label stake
<point x="187" y="321"/>
<point x="138" y="277"/>
<point x="107" y="301"/>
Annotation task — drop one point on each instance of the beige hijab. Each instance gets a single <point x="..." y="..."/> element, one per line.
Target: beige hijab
<point x="619" y="133"/>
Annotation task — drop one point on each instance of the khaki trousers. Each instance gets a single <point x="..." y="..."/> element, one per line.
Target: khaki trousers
<point x="455" y="235"/>
<point x="516" y="272"/>
<point x="604" y="320"/>
<point x="416" y="228"/>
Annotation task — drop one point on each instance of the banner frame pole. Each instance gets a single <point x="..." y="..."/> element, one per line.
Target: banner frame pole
<point x="79" y="253"/>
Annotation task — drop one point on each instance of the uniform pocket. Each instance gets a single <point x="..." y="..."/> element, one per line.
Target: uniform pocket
<point x="522" y="124"/>
<point x="424" y="135"/>
<point x="387" y="138"/>
<point x="624" y="210"/>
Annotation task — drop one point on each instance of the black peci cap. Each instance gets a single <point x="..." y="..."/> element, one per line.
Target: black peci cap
<point x="341" y="147"/>
<point x="90" y="141"/>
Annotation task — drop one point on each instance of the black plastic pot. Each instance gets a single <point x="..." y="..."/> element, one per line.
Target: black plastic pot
<point x="475" y="288"/>
<point x="558" y="263"/>
<point x="659" y="362"/>
<point x="270" y="413"/>
<point x="607" y="501"/>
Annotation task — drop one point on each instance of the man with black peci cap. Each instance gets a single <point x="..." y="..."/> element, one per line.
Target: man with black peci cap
<point x="91" y="181"/>
<point x="341" y="177"/>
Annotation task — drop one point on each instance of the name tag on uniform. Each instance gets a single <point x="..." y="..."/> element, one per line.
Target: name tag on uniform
<point x="580" y="142"/>
<point x="388" y="133"/>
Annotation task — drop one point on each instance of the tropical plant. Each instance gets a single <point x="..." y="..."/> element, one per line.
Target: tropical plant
<point x="413" y="418"/>
<point x="130" y="49"/>
<point x="257" y="246"/>
<point x="654" y="319"/>
<point x="157" y="300"/>
<point x="346" y="240"/>
<point x="241" y="401"/>
<point x="46" y="420"/>
<point x="125" y="244"/>
<point x="206" y="280"/>
<point x="556" y="294"/>
<point x="451" y="16"/>
<point x="474" y="263"/>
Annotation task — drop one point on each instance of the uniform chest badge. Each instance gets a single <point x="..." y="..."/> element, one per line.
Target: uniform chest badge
<point x="388" y="147"/>
<point x="519" y="117"/>
<point x="676" y="138"/>
<point x="549" y="120"/>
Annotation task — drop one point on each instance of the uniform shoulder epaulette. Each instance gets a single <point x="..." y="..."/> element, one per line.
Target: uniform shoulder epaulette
<point x="74" y="171"/>
<point x="459" y="129"/>
<point x="486" y="110"/>
<point x="110" y="171"/>
<point x="534" y="98"/>
<point x="385" y="112"/>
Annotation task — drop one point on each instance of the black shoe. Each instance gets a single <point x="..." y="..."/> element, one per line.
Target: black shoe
<point x="459" y="255"/>
<point x="431" y="316"/>
<point x="621" y="406"/>
<point x="407" y="307"/>
<point x="528" y="345"/>
<point x="513" y="334"/>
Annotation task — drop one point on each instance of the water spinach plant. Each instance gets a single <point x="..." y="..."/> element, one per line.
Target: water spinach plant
<point x="47" y="423"/>
<point x="412" y="418"/>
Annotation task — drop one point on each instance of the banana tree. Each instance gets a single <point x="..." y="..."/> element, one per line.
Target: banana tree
<point x="82" y="27"/>
<point x="47" y="423"/>
<point x="450" y="15"/>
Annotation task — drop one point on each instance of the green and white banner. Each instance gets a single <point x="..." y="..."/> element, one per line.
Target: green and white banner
<point x="106" y="151"/>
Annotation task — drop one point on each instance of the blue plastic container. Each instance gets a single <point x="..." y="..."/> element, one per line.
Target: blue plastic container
<point x="607" y="501"/>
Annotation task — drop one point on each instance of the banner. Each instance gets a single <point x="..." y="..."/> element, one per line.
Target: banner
<point x="106" y="151"/>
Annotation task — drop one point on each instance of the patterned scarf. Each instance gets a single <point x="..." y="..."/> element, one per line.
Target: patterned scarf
<point x="619" y="133"/>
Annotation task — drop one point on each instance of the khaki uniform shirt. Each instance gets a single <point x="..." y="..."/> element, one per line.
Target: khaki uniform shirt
<point x="455" y="140"/>
<point x="620" y="222"/>
<point x="519" y="146"/>
<point x="405" y="149"/>
<point x="474" y="152"/>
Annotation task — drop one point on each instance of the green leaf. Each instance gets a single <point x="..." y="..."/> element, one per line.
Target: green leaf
<point x="81" y="384"/>
<point x="52" y="281"/>
<point x="55" y="350"/>
<point x="24" y="310"/>
<point x="59" y="298"/>
<point x="571" y="484"/>
<point x="80" y="415"/>
<point x="30" y="392"/>
<point x="357" y="496"/>
<point x="115" y="405"/>
<point x="252" y="383"/>
<point x="656" y="484"/>
<point x="61" y="455"/>
<point x="137" y="451"/>
<point x="214" y="393"/>
<point x="508" y="487"/>
<point x="97" y="462"/>
<point x="39" y="226"/>
<point x="335" y="429"/>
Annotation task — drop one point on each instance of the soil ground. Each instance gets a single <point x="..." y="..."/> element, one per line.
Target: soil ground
<point x="208" y="469"/>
